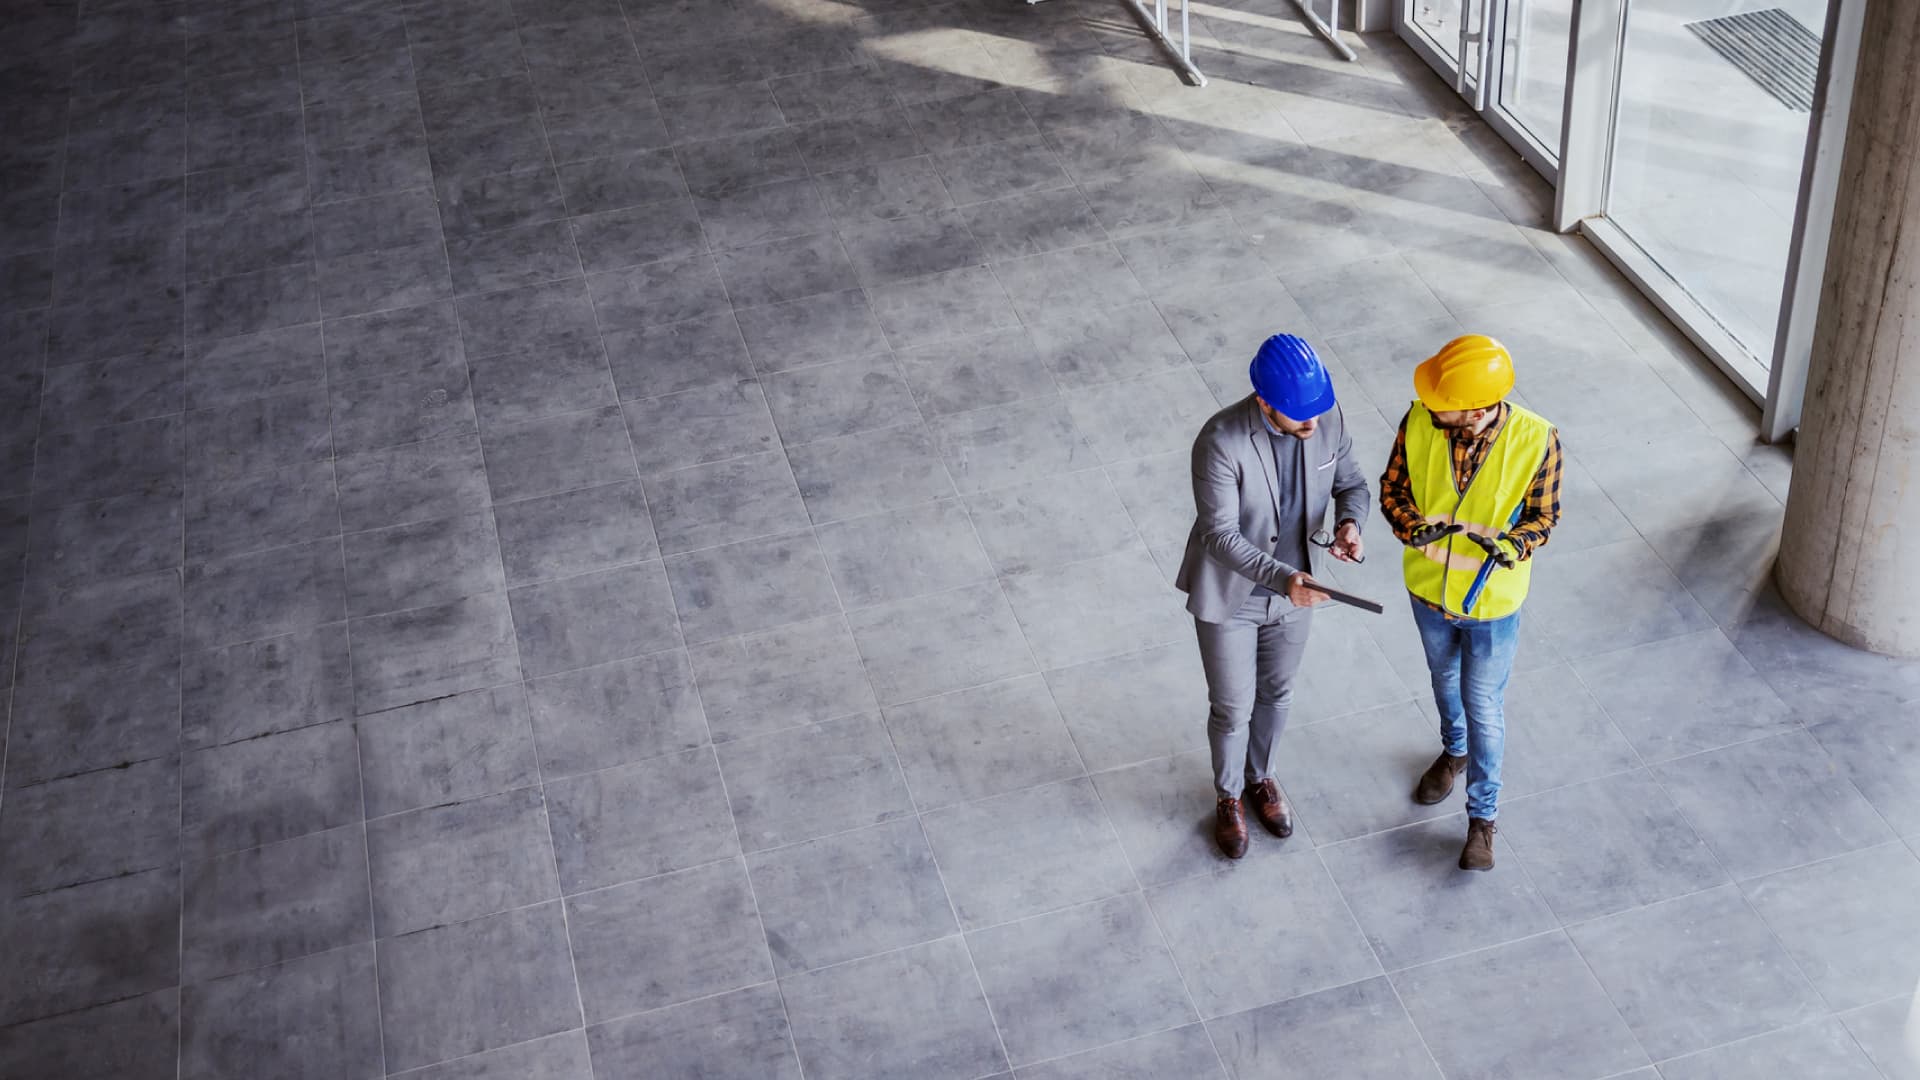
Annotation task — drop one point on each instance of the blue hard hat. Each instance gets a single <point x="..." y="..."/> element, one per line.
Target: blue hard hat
<point x="1289" y="377"/>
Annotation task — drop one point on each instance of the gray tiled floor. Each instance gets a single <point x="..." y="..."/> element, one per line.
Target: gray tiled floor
<point x="579" y="540"/>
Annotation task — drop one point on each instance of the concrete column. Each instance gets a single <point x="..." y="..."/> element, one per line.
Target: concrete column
<point x="1850" y="555"/>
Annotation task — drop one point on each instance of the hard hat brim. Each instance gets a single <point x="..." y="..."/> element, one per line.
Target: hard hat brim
<point x="1320" y="404"/>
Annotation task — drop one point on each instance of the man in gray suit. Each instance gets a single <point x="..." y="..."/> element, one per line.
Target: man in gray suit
<point x="1265" y="470"/>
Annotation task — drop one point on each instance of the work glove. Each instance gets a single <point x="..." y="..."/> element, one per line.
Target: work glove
<point x="1430" y="533"/>
<point x="1498" y="548"/>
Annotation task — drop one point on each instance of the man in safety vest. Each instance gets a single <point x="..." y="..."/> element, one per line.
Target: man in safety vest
<point x="1472" y="489"/>
<point x="1268" y="471"/>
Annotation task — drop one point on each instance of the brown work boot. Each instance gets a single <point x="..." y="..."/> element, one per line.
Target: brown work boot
<point x="1437" y="782"/>
<point x="1271" y="808"/>
<point x="1478" y="854"/>
<point x="1230" y="828"/>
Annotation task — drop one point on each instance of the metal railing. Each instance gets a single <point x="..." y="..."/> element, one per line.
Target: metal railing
<point x="1156" y="24"/>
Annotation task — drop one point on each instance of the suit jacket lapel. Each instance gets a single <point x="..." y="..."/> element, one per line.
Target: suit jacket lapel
<point x="1263" y="449"/>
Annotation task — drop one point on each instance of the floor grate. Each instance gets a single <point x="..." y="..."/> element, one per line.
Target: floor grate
<point x="1772" y="48"/>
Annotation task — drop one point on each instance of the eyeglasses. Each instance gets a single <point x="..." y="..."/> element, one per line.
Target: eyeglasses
<point x="1324" y="539"/>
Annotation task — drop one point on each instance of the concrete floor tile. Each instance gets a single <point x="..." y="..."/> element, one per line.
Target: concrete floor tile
<point x="1033" y="223"/>
<point x="433" y="652"/>
<point x="628" y="710"/>
<point x="1642" y="604"/>
<point x="722" y="166"/>
<point x="1724" y="794"/>
<point x="272" y="904"/>
<point x="433" y="562"/>
<point x="918" y="1010"/>
<point x="785" y="270"/>
<point x="267" y="789"/>
<point x="706" y="506"/>
<point x="1037" y="526"/>
<point x="309" y="1018"/>
<point x="751" y="586"/>
<point x="1553" y="1019"/>
<point x="831" y="400"/>
<point x="1059" y="608"/>
<point x="1609" y="845"/>
<point x="1361" y="1030"/>
<point x="281" y="683"/>
<point x="902" y="554"/>
<point x="667" y="940"/>
<point x="983" y="742"/>
<point x="1881" y="1032"/>
<point x="429" y="1014"/>
<point x="48" y="936"/>
<point x="762" y="214"/>
<point x="742" y="1029"/>
<point x="1843" y="921"/>
<point x="1028" y="852"/>
<point x="1011" y="444"/>
<point x="446" y="750"/>
<point x="807" y="782"/>
<point x="1083" y="279"/>
<point x="565" y="376"/>
<point x="935" y="644"/>
<point x="1183" y="1051"/>
<point x="1416" y="904"/>
<point x="1123" y="709"/>
<point x="1695" y="972"/>
<point x="558" y="454"/>
<point x="640" y="820"/>
<point x="575" y="532"/>
<point x="940" y="307"/>
<point x="91" y="827"/>
<point x="416" y="482"/>
<point x="1137" y="418"/>
<point x="138" y="1038"/>
<point x="447" y="864"/>
<point x="555" y="1057"/>
<point x="1818" y="1049"/>
<point x="64" y="727"/>
<point x="819" y="329"/>
<point x="1685" y="695"/>
<point x="796" y="674"/>
<point x="660" y="360"/>
<point x="700" y="426"/>
<point x="851" y="895"/>
<point x="1079" y="979"/>
<point x="867" y="473"/>
<point x="1234" y="955"/>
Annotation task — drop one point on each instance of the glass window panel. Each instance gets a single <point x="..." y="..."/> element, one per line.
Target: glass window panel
<point x="1705" y="166"/>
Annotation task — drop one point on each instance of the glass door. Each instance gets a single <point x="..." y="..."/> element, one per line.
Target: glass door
<point x="1520" y="85"/>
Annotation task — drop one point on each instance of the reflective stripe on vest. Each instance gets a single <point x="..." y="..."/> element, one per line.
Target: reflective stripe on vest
<point x="1443" y="572"/>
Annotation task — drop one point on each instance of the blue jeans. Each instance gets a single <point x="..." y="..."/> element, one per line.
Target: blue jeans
<point x="1470" y="662"/>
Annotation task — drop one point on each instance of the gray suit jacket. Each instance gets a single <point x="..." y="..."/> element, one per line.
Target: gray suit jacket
<point x="1234" y="496"/>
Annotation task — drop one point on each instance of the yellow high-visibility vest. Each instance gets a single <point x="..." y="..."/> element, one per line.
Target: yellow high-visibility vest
<point x="1442" y="572"/>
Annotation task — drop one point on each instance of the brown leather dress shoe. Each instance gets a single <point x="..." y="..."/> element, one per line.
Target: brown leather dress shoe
<point x="1230" y="828"/>
<point x="1478" y="854"/>
<point x="1271" y="808"/>
<point x="1437" y="782"/>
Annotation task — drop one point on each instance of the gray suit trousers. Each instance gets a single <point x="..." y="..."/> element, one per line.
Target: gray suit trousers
<point x="1250" y="660"/>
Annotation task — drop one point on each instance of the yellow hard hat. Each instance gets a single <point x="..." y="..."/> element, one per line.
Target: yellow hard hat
<point x="1471" y="372"/>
